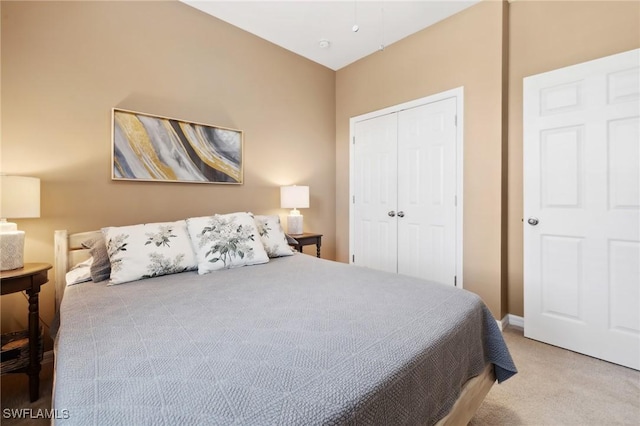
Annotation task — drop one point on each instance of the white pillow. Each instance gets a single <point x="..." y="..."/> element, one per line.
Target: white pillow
<point x="148" y="250"/>
<point x="226" y="241"/>
<point x="80" y="273"/>
<point x="272" y="235"/>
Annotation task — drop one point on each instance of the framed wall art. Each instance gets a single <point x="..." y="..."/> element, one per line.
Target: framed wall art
<point x="160" y="149"/>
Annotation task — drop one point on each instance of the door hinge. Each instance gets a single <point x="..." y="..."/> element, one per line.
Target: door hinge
<point x="353" y="140"/>
<point x="455" y="200"/>
<point x="353" y="258"/>
<point x="353" y="199"/>
<point x="455" y="120"/>
<point x="455" y="281"/>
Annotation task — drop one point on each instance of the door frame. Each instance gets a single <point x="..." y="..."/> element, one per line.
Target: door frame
<point x="458" y="94"/>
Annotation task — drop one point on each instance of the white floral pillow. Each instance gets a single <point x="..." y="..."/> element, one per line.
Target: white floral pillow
<point x="226" y="241"/>
<point x="148" y="250"/>
<point x="273" y="237"/>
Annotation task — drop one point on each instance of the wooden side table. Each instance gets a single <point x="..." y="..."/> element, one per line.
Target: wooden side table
<point x="307" y="239"/>
<point x="29" y="278"/>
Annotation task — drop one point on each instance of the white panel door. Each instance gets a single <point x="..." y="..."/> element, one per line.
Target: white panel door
<point x="426" y="191"/>
<point x="375" y="232"/>
<point x="582" y="208"/>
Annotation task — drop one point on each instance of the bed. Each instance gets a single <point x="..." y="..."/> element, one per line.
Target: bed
<point x="297" y="340"/>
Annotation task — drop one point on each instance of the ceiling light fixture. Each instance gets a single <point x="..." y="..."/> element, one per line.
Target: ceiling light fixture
<point x="355" y="27"/>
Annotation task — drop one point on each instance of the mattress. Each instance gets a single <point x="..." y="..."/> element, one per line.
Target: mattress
<point x="299" y="340"/>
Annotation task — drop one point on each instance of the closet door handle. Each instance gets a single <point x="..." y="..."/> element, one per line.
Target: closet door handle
<point x="391" y="214"/>
<point x="400" y="214"/>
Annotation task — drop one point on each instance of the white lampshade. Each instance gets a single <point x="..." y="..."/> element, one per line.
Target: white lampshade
<point x="19" y="199"/>
<point x="294" y="197"/>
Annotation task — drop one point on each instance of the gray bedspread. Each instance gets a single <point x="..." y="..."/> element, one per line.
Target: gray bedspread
<point x="299" y="340"/>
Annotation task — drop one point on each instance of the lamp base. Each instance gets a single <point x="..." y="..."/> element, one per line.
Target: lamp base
<point x="11" y="250"/>
<point x="7" y="226"/>
<point x="294" y="224"/>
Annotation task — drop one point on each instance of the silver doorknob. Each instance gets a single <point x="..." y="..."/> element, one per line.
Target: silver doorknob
<point x="391" y="213"/>
<point x="533" y="221"/>
<point x="401" y="214"/>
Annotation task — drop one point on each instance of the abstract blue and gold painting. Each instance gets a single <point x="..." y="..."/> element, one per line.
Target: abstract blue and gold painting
<point x="154" y="148"/>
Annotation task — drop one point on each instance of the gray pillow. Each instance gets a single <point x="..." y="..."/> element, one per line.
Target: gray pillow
<point x="101" y="267"/>
<point x="290" y="240"/>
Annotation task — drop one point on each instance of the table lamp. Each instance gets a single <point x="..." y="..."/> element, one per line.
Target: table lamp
<point x="294" y="197"/>
<point x="19" y="199"/>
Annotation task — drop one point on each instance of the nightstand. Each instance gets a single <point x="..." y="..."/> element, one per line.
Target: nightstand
<point x="29" y="278"/>
<point x="307" y="239"/>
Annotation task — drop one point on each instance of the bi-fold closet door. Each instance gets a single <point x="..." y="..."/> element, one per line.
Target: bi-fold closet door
<point x="404" y="191"/>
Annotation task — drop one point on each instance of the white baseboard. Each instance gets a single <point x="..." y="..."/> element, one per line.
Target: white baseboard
<point x="502" y="324"/>
<point x="510" y="319"/>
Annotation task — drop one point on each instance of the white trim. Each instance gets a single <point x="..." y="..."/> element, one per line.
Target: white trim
<point x="516" y="321"/>
<point x="510" y="319"/>
<point x="502" y="324"/>
<point x="458" y="94"/>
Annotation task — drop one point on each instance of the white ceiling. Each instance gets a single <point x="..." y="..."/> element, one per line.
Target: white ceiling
<point x="300" y="25"/>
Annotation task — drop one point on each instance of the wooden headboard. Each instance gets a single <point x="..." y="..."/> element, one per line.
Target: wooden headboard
<point x="68" y="251"/>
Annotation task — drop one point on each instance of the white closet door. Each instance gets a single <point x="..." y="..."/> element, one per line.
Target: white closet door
<point x="582" y="208"/>
<point x="375" y="188"/>
<point x="426" y="191"/>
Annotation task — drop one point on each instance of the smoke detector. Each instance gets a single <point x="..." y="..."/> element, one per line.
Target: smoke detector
<point x="324" y="43"/>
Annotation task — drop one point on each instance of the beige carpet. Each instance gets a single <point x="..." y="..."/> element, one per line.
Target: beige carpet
<point x="559" y="387"/>
<point x="553" y="387"/>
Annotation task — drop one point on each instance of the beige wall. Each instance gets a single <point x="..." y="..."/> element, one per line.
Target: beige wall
<point x="464" y="50"/>
<point x="546" y="35"/>
<point x="66" y="64"/>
